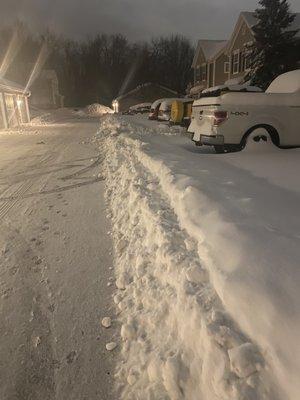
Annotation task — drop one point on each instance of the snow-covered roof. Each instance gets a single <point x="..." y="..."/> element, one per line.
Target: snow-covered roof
<point x="143" y="86"/>
<point x="250" y="19"/>
<point x="196" y="89"/>
<point x="12" y="87"/>
<point x="210" y="49"/>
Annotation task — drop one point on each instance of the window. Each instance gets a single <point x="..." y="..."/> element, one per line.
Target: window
<point x="247" y="56"/>
<point x="247" y="60"/>
<point x="203" y="72"/>
<point x="198" y="73"/>
<point x="236" y="62"/>
<point x="226" y="67"/>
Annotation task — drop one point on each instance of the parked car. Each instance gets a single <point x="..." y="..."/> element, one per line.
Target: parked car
<point x="181" y="112"/>
<point x="153" y="115"/>
<point x="164" y="112"/>
<point x="141" y="108"/>
<point x="225" y="119"/>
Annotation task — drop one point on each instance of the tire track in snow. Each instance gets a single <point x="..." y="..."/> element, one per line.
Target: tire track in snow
<point x="11" y="196"/>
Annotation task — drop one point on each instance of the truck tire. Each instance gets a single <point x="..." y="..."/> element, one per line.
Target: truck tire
<point x="268" y="128"/>
<point x="177" y="112"/>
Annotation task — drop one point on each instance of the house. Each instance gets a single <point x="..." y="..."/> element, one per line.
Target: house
<point x="45" y="91"/>
<point x="208" y="65"/>
<point x="238" y="45"/>
<point x="146" y="93"/>
<point x="14" y="110"/>
<point x="217" y="61"/>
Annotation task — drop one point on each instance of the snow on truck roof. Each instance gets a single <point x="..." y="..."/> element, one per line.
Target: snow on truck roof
<point x="286" y="83"/>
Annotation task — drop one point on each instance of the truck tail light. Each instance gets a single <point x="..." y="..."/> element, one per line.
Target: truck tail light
<point x="220" y="117"/>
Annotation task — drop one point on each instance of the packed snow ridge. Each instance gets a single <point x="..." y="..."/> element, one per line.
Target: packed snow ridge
<point x="181" y="336"/>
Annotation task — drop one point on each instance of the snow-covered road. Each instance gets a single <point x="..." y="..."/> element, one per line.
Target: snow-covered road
<point x="56" y="260"/>
<point x="207" y="264"/>
<point x="206" y="255"/>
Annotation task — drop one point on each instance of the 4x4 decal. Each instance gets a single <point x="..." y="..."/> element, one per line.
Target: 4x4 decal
<point x="239" y="113"/>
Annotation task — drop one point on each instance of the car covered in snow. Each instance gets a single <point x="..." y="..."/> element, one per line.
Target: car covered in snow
<point x="153" y="114"/>
<point x="225" y="118"/>
<point x="141" y="108"/>
<point x="164" y="112"/>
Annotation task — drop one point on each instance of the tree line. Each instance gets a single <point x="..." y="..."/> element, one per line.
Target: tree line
<point x="100" y="68"/>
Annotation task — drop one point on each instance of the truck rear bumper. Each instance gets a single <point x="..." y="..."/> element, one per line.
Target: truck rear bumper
<point x="210" y="140"/>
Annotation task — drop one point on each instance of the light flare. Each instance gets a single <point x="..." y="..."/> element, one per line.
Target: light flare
<point x="40" y="62"/>
<point x="13" y="48"/>
<point x="129" y="77"/>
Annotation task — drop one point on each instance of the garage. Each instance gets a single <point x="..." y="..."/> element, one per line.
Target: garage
<point x="14" y="110"/>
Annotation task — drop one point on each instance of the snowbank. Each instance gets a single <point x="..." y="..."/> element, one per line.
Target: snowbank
<point x="52" y="116"/>
<point x="67" y="114"/>
<point x="95" y="110"/>
<point x="202" y="310"/>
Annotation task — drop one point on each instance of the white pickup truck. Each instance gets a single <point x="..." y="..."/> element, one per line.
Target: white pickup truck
<point x="226" y="120"/>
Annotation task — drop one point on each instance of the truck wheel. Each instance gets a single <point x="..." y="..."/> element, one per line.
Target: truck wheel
<point x="272" y="132"/>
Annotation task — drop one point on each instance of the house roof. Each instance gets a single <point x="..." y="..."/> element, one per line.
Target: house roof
<point x="209" y="48"/>
<point x="143" y="86"/>
<point x="249" y="18"/>
<point x="12" y="87"/>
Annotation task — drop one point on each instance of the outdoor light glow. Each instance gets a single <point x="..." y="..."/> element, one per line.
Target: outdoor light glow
<point x="115" y="105"/>
<point x="12" y="50"/>
<point x="41" y="59"/>
<point x="19" y="102"/>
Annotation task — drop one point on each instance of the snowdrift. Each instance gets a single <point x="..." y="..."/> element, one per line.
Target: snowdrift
<point x="95" y="110"/>
<point x="202" y="310"/>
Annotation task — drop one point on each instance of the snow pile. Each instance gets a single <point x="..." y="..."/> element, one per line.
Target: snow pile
<point x="286" y="83"/>
<point x="52" y="116"/>
<point x="95" y="110"/>
<point x="174" y="256"/>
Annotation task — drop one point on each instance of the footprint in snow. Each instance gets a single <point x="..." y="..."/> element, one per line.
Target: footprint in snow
<point x="71" y="357"/>
<point x="111" y="346"/>
<point x="106" y="322"/>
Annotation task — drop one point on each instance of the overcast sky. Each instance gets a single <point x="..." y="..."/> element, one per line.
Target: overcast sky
<point x="138" y="19"/>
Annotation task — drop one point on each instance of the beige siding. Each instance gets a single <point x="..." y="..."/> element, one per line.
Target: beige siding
<point x="197" y="71"/>
<point x="220" y="76"/>
<point x="243" y="37"/>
